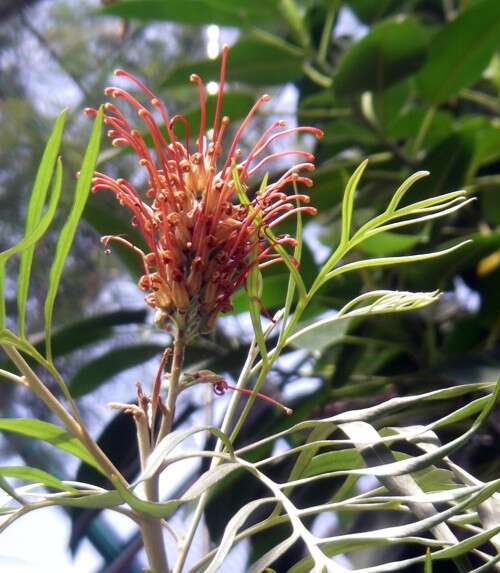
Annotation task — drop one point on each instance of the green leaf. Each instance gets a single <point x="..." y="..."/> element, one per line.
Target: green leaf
<point x="100" y="370"/>
<point x="48" y="433"/>
<point x="368" y="10"/>
<point x="68" y="232"/>
<point x="317" y="339"/>
<point x="407" y="125"/>
<point x="250" y="61"/>
<point x="387" y="243"/>
<point x="35" y="475"/>
<point x="460" y="51"/>
<point x="234" y="13"/>
<point x="34" y="213"/>
<point x="348" y="202"/>
<point x="487" y="148"/>
<point x="90" y="330"/>
<point x="390" y="52"/>
<point x="32" y="237"/>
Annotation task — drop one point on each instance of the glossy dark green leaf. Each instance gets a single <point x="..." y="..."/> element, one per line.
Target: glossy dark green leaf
<point x="490" y="205"/>
<point x="234" y="13"/>
<point x="449" y="163"/>
<point x="390" y="52"/>
<point x="460" y="51"/>
<point x="369" y="11"/>
<point x="90" y="330"/>
<point x="487" y="149"/>
<point x="95" y="372"/>
<point x="250" y="61"/>
<point x="407" y="125"/>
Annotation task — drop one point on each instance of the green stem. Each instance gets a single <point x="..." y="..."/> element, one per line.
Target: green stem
<point x="316" y="76"/>
<point x="424" y="128"/>
<point x="326" y="35"/>
<point x="173" y="382"/>
<point x="150" y="528"/>
<point x="292" y="16"/>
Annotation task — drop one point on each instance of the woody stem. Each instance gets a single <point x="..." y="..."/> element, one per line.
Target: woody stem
<point x="151" y="529"/>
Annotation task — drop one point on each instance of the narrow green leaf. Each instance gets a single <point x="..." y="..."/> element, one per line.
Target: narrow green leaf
<point x="35" y="475"/>
<point x="68" y="232"/>
<point x="170" y="442"/>
<point x="391" y="261"/>
<point x="31" y="238"/>
<point x="164" y="510"/>
<point x="348" y="201"/>
<point x="34" y="213"/>
<point x="402" y="189"/>
<point x="460" y="51"/>
<point x="234" y="524"/>
<point x="50" y="433"/>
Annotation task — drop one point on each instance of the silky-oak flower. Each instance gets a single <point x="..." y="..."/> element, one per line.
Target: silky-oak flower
<point x="202" y="239"/>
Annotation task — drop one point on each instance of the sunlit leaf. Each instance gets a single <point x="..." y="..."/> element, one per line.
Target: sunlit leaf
<point x="50" y="433"/>
<point x="68" y="232"/>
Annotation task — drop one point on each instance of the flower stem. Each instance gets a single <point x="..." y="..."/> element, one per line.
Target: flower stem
<point x="173" y="383"/>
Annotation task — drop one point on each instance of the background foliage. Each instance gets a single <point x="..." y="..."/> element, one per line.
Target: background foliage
<point x="410" y="85"/>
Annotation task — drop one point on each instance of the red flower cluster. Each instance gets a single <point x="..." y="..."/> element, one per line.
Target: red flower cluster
<point x="202" y="241"/>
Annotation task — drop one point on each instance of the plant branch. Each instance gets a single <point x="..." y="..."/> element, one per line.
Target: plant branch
<point x="74" y="427"/>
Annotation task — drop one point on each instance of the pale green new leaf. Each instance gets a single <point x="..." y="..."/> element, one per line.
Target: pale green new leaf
<point x="384" y="261"/>
<point x="34" y="212"/>
<point x="159" y="455"/>
<point x="348" y="201"/>
<point x="32" y="237"/>
<point x="68" y="231"/>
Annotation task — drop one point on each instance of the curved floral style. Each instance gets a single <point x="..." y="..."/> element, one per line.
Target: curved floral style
<point x="202" y="232"/>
